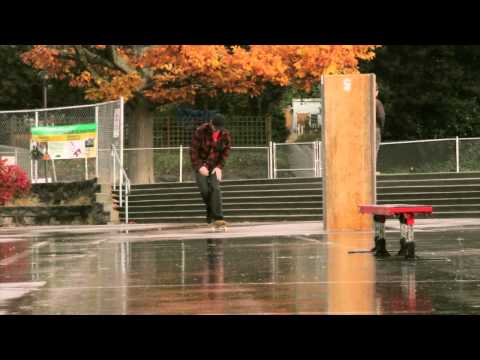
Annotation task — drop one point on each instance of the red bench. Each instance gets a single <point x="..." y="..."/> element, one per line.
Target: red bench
<point x="406" y="215"/>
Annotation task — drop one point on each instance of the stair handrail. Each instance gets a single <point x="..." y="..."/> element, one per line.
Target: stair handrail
<point x="124" y="180"/>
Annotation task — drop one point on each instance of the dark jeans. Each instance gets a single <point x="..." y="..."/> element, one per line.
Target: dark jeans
<point x="378" y="140"/>
<point x="211" y="195"/>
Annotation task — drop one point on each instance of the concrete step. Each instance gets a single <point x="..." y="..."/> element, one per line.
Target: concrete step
<point x="228" y="200"/>
<point x="456" y="214"/>
<point x="227" y="183"/>
<point x="227" y="193"/>
<point x="395" y="197"/>
<point x="263" y="188"/>
<point x="448" y="175"/>
<point x="435" y="202"/>
<point x="227" y="212"/>
<point x="450" y="194"/>
<point x="230" y="219"/>
<point x="456" y="207"/>
<point x="226" y="206"/>
<point x="426" y="189"/>
<point x="428" y="182"/>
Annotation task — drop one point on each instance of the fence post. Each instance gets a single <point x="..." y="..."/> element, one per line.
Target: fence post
<point x="457" y="147"/>
<point x="274" y="160"/>
<point x="126" y="207"/>
<point x="114" y="173"/>
<point x="36" y="161"/>
<point x="319" y="148"/>
<point x="121" y="146"/>
<point x="181" y="163"/>
<point x="268" y="159"/>
<point x="96" y="142"/>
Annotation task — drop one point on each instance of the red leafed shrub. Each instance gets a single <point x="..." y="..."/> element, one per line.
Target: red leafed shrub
<point x="13" y="182"/>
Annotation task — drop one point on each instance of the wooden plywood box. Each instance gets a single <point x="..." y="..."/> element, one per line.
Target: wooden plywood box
<point x="348" y="151"/>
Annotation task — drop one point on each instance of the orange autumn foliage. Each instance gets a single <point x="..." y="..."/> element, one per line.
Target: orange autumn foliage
<point x="171" y="73"/>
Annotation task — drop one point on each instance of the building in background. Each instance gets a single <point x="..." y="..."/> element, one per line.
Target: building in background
<point x="306" y="115"/>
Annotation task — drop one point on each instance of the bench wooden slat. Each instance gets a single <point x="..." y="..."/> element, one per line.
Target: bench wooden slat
<point x="395" y="209"/>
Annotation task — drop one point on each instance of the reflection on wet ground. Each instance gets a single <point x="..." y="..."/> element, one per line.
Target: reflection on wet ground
<point x="106" y="273"/>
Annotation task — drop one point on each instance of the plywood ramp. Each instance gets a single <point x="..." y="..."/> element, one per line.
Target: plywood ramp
<point x="348" y="151"/>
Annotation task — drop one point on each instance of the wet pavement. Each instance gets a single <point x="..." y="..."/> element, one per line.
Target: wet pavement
<point x="287" y="268"/>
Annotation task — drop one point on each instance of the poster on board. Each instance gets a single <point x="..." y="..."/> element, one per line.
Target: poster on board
<point x="66" y="142"/>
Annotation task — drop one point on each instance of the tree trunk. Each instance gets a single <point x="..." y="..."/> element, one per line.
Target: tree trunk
<point x="140" y="135"/>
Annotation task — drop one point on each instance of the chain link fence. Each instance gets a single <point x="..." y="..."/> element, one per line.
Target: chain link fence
<point x="16" y="135"/>
<point x="176" y="131"/>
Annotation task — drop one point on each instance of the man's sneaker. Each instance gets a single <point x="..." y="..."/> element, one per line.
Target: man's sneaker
<point x="220" y="225"/>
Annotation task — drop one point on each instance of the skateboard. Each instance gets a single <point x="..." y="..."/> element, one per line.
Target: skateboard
<point x="220" y="225"/>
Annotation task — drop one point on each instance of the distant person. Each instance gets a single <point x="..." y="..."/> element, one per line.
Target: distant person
<point x="380" y="113"/>
<point x="211" y="144"/>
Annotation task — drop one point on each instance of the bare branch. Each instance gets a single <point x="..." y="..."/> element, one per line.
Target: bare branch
<point x="118" y="61"/>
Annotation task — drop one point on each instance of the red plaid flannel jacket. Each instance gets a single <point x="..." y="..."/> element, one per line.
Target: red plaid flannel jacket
<point x="204" y="152"/>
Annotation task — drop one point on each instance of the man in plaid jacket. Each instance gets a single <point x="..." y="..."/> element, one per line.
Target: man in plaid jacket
<point x="211" y="144"/>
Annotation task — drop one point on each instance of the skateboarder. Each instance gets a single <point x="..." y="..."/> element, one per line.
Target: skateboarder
<point x="380" y="111"/>
<point x="209" y="150"/>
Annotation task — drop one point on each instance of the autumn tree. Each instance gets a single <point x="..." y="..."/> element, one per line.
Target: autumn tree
<point x="163" y="74"/>
<point x="22" y="86"/>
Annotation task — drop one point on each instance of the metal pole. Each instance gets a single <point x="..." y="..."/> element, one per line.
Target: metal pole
<point x="121" y="141"/>
<point x="96" y="142"/>
<point x="274" y="160"/>
<point x="126" y="207"/>
<point x="319" y="159"/>
<point x="45" y="106"/>
<point x="36" y="161"/>
<point x="269" y="160"/>
<point x="114" y="170"/>
<point x="181" y="163"/>
<point x="120" y="187"/>
<point x="54" y="171"/>
<point x="457" y="153"/>
<point x="315" y="163"/>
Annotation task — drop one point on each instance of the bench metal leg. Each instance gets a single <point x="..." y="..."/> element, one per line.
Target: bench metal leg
<point x="407" y="242"/>
<point x="380" y="249"/>
<point x="403" y="236"/>
<point x="410" y="243"/>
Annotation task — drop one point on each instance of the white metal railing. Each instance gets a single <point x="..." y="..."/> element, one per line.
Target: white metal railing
<point x="279" y="159"/>
<point x="454" y="155"/>
<point x="315" y="161"/>
<point x="124" y="181"/>
<point x="175" y="167"/>
<point x="271" y="159"/>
